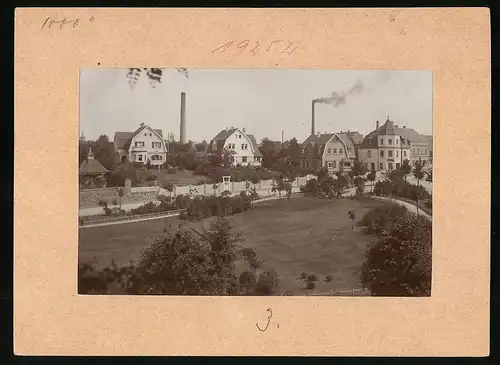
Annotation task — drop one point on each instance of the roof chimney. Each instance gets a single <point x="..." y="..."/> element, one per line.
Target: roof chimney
<point x="378" y="124"/>
<point x="404" y="126"/>
<point x="318" y="134"/>
<point x="142" y="124"/>
<point x="348" y="131"/>
<point x="388" y="119"/>
<point x="244" y="130"/>
<point x="90" y="155"/>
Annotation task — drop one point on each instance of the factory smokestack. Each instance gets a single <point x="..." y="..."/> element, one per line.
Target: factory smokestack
<point x="282" y="137"/>
<point x="183" y="118"/>
<point x="377" y="124"/>
<point x="313" y="126"/>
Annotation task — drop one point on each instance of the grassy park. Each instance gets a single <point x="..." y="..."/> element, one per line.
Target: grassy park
<point x="303" y="235"/>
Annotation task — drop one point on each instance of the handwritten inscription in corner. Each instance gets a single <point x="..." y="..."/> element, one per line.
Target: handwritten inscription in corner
<point x="285" y="47"/>
<point x="269" y="316"/>
<point x="50" y="23"/>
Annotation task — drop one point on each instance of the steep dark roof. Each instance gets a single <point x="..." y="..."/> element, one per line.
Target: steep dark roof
<point x="389" y="128"/>
<point x="92" y="166"/>
<point x="320" y="141"/>
<point x="122" y="139"/>
<point x="255" y="145"/>
<point x="355" y="137"/>
<point x="224" y="134"/>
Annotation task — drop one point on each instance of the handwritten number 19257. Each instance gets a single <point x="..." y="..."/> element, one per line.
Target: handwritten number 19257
<point x="286" y="47"/>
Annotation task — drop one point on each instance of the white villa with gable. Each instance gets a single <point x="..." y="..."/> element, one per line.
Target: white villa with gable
<point x="244" y="146"/>
<point x="142" y="146"/>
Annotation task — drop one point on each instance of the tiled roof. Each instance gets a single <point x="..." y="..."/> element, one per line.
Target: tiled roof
<point x="92" y="166"/>
<point x="389" y="128"/>
<point x="255" y="145"/>
<point x="320" y="141"/>
<point x="356" y="137"/>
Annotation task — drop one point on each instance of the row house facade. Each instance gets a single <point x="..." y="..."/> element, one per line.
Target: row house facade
<point x="388" y="146"/>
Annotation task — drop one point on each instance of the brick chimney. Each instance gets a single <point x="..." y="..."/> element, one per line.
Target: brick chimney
<point x="244" y="130"/>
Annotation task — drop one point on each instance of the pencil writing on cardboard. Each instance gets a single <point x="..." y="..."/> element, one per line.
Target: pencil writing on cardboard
<point x="254" y="47"/>
<point x="63" y="23"/>
<point x="268" y="320"/>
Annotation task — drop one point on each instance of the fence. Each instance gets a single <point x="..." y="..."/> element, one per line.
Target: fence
<point x="350" y="292"/>
<point x="125" y="219"/>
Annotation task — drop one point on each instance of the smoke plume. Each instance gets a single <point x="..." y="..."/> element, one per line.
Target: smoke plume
<point x="338" y="98"/>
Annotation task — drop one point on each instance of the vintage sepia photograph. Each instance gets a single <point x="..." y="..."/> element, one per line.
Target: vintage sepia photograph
<point x="259" y="182"/>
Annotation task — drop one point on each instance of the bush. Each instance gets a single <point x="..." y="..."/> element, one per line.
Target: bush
<point x="123" y="172"/>
<point x="267" y="284"/>
<point x="312" y="277"/>
<point x="303" y="275"/>
<point x="376" y="219"/>
<point x="329" y="278"/>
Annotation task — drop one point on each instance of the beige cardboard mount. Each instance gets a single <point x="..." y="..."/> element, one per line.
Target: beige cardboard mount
<point x="51" y="319"/>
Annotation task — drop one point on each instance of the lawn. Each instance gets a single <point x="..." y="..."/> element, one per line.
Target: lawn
<point x="301" y="235"/>
<point x="180" y="178"/>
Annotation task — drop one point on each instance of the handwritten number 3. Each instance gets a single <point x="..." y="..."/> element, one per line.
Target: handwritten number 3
<point x="268" y="320"/>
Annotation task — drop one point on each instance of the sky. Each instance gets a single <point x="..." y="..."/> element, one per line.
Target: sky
<point x="264" y="101"/>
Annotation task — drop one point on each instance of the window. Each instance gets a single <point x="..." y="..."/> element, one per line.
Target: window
<point x="369" y="153"/>
<point x="366" y="165"/>
<point x="334" y="150"/>
<point x="389" y="153"/>
<point x="246" y="146"/>
<point x="334" y="164"/>
<point x="239" y="136"/>
<point x="329" y="151"/>
<point x="330" y="165"/>
<point x="244" y="159"/>
<point x="381" y="141"/>
<point x="139" y="144"/>
<point x="397" y="153"/>
<point x="390" y="166"/>
<point x="161" y="158"/>
<point x="413" y="151"/>
<point x="242" y="146"/>
<point x="397" y="141"/>
<point x="306" y="163"/>
<point x="139" y="157"/>
<point x="404" y="153"/>
<point x="390" y="141"/>
<point x="156" y="144"/>
<point x="381" y="153"/>
<point x="381" y="166"/>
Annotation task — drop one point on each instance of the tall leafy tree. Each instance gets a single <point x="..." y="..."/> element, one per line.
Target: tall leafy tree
<point x="104" y="152"/>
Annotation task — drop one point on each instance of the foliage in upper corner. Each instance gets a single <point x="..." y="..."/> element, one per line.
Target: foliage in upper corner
<point x="155" y="75"/>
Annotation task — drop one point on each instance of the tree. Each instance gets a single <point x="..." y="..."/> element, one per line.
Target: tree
<point x="269" y="153"/>
<point x="399" y="262"/>
<point x="168" y="186"/>
<point x="359" y="182"/>
<point x="83" y="151"/>
<point x="357" y="169"/>
<point x="292" y="150"/>
<point x="371" y="176"/>
<point x="121" y="193"/>
<point x="255" y="180"/>
<point x="419" y="174"/>
<point x="154" y="75"/>
<point x="279" y="184"/>
<point x="405" y="167"/>
<point x="191" y="262"/>
<point x="201" y="147"/>
<point x="104" y="152"/>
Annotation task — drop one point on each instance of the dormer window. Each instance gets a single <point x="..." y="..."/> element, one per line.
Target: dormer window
<point x="381" y="141"/>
